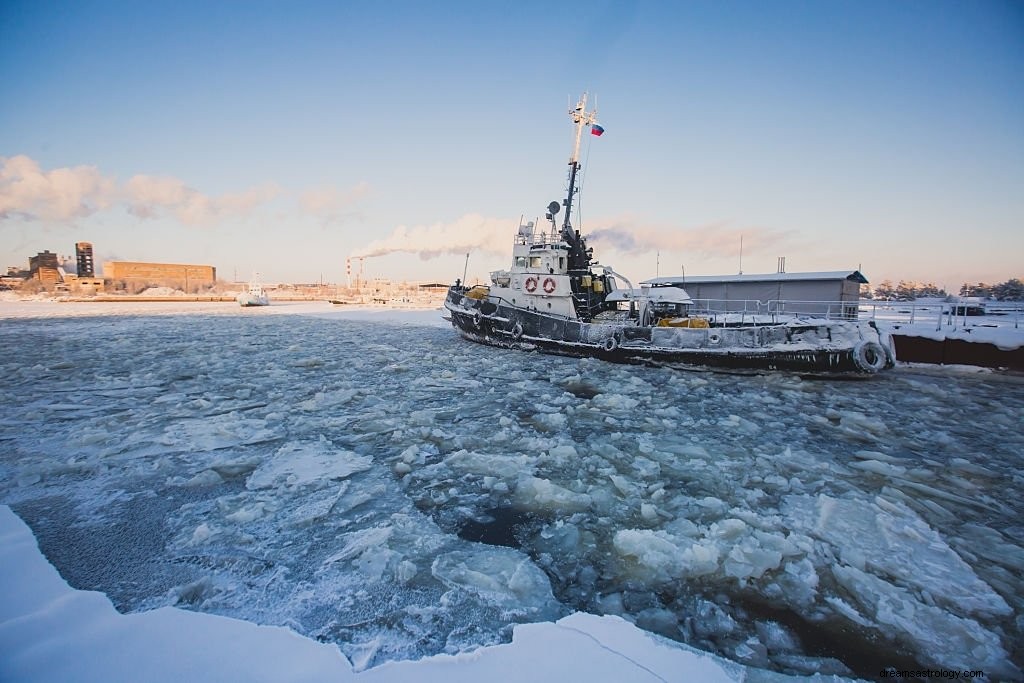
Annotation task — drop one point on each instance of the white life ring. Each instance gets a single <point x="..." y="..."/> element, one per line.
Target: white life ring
<point x="531" y="284"/>
<point x="477" y="319"/>
<point x="549" y="284"/>
<point x="714" y="339"/>
<point x="517" y="330"/>
<point x="869" y="356"/>
<point x="611" y="343"/>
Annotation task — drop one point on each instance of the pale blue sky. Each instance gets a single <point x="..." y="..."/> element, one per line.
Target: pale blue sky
<point x="282" y="137"/>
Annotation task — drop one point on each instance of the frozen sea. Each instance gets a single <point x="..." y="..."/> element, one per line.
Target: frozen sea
<point x="370" y="479"/>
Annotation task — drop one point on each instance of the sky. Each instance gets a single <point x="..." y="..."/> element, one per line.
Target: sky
<point x="284" y="138"/>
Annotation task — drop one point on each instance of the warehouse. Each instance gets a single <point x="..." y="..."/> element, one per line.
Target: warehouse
<point x="833" y="293"/>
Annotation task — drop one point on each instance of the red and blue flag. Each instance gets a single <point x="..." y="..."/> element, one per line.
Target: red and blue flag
<point x="596" y="130"/>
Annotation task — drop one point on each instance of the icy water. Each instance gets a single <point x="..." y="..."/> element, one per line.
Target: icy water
<point x="401" y="492"/>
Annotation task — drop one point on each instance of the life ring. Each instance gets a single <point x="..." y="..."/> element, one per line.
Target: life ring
<point x="531" y="284"/>
<point x="549" y="284"/>
<point x="869" y="356"/>
<point x="517" y="330"/>
<point x="477" y="319"/>
<point x="611" y="343"/>
<point x="714" y="339"/>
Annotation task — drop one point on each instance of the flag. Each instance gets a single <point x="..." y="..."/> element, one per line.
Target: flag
<point x="596" y="129"/>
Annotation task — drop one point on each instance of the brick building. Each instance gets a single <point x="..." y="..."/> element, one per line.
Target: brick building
<point x="184" y="276"/>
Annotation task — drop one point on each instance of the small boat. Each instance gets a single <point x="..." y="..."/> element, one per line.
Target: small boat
<point x="556" y="298"/>
<point x="254" y="295"/>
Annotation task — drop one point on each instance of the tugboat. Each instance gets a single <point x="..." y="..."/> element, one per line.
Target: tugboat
<point x="556" y="298"/>
<point x="254" y="295"/>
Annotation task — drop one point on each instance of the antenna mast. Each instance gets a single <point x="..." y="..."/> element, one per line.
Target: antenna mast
<point x="578" y="257"/>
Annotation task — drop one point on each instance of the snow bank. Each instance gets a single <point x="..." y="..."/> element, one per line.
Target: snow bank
<point x="51" y="632"/>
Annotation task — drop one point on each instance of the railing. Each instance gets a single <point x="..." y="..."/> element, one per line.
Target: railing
<point x="951" y="314"/>
<point x="752" y="311"/>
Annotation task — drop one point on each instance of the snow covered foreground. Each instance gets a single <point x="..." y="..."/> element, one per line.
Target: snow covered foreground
<point x="51" y="632"/>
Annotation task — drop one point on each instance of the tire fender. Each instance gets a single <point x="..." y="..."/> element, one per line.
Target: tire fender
<point x="870" y="356"/>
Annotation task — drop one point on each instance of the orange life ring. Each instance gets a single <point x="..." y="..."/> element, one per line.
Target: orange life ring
<point x="531" y="284"/>
<point x="549" y="285"/>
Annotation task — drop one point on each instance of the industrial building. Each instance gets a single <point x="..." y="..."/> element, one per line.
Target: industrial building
<point x="184" y="276"/>
<point x="833" y="294"/>
<point x="45" y="267"/>
<point x="83" y="258"/>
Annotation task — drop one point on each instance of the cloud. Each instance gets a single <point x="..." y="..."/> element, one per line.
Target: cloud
<point x="711" y="240"/>
<point x="63" y="194"/>
<point x="471" y="232"/>
<point x="331" y="203"/>
<point x="28" y="192"/>
<point x="151" y="196"/>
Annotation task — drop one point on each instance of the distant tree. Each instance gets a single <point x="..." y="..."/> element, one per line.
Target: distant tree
<point x="865" y="292"/>
<point x="1011" y="290"/>
<point x="930" y="290"/>
<point x="906" y="291"/>
<point x="980" y="290"/>
<point x="885" y="290"/>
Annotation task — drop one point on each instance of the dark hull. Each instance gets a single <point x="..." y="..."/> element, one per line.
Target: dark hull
<point x="811" y="348"/>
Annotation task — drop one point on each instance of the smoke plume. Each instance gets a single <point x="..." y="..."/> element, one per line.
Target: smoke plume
<point x="471" y="232"/>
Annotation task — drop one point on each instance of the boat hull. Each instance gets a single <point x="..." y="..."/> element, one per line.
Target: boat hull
<point x="812" y="347"/>
<point x="246" y="301"/>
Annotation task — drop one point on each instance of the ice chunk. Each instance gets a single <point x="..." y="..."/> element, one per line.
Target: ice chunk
<point x="891" y="540"/>
<point x="748" y="559"/>
<point x="856" y="422"/>
<point x="819" y="666"/>
<point x="501" y="466"/>
<point x="776" y="637"/>
<point x="246" y="514"/>
<point x="316" y="507"/>
<point x="881" y="457"/>
<point x="307" y="463"/>
<point x="205" y="478"/>
<point x="550" y="422"/>
<point x="360" y="541"/>
<point x="882" y="468"/>
<point x="502" y="576"/>
<point x="405" y="571"/>
<point x="202" y="534"/>
<point x="650" y="556"/>
<point x="542" y="494"/>
<point x="929" y="630"/>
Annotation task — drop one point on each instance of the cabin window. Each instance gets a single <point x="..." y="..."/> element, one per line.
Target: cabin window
<point x="561" y="263"/>
<point x="520" y="261"/>
<point x="535" y="261"/>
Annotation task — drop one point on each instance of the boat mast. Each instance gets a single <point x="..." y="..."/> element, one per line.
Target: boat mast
<point x="578" y="257"/>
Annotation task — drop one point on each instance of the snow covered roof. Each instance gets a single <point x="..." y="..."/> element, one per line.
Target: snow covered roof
<point x="855" y="275"/>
